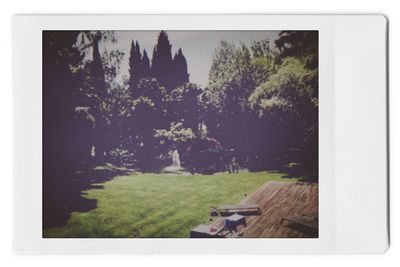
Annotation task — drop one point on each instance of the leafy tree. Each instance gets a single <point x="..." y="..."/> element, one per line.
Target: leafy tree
<point x="261" y="48"/>
<point x="143" y="121"/>
<point x="147" y="114"/>
<point x="230" y="84"/>
<point x="88" y="43"/>
<point x="176" y="137"/>
<point x="95" y="90"/>
<point x="291" y="99"/>
<point x="67" y="128"/>
<point x="112" y="107"/>
<point x="204" y="155"/>
<point x="263" y="61"/>
<point x="153" y="90"/>
<point x="300" y="44"/>
<point x="288" y="90"/>
<point x="304" y="46"/>
<point x="64" y="149"/>
<point x="260" y="105"/>
<point x="117" y="110"/>
<point x="183" y="106"/>
<point x="111" y="61"/>
<point x="101" y="71"/>
<point x="230" y="78"/>
<point x="221" y="73"/>
<point x="176" y="134"/>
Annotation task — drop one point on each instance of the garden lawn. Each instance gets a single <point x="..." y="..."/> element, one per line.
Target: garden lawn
<point x="156" y="205"/>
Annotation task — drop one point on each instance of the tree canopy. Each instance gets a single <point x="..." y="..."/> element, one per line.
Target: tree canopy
<point x="260" y="104"/>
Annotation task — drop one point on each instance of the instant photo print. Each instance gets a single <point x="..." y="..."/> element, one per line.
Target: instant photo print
<point x="245" y="134"/>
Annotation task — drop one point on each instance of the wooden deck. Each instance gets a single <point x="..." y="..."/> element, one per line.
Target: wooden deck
<point x="276" y="201"/>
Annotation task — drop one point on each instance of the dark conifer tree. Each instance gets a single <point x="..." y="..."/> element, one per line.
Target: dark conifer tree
<point x="181" y="75"/>
<point x="161" y="66"/>
<point x="131" y="60"/>
<point x="146" y="70"/>
<point x="135" y="68"/>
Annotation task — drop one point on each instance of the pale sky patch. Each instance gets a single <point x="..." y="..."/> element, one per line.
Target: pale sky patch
<point x="197" y="46"/>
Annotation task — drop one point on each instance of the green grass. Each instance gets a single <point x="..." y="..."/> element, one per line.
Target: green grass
<point x="155" y="205"/>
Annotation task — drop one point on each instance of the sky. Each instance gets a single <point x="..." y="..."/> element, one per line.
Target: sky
<point x="197" y="46"/>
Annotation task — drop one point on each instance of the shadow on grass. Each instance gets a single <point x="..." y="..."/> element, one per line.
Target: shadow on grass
<point x="63" y="194"/>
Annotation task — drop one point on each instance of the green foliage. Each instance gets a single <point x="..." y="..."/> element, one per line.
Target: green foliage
<point x="300" y="44"/>
<point x="111" y="61"/>
<point x="261" y="49"/>
<point x="257" y="96"/>
<point x="260" y="106"/>
<point x="175" y="134"/>
<point x="230" y="78"/>
<point x="151" y="88"/>
<point x="183" y="105"/>
<point x="262" y="69"/>
<point x="88" y="43"/>
<point x="231" y="81"/>
<point x="147" y="114"/>
<point x="143" y="103"/>
<point x="288" y="90"/>
<point x="289" y="98"/>
<point x="62" y="79"/>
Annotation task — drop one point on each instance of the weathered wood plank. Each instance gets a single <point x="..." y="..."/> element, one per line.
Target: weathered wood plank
<point x="276" y="201"/>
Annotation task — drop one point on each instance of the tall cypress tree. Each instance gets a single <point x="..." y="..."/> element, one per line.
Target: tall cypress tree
<point x="161" y="65"/>
<point x="146" y="70"/>
<point x="181" y="75"/>
<point x="131" y="61"/>
<point x="135" y="68"/>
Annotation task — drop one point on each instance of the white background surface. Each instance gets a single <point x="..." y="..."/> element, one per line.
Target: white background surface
<point x="282" y="6"/>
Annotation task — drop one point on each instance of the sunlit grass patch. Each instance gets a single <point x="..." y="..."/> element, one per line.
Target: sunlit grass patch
<point x="156" y="205"/>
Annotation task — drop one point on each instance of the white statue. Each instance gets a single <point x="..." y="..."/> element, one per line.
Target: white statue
<point x="175" y="159"/>
<point x="175" y="167"/>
